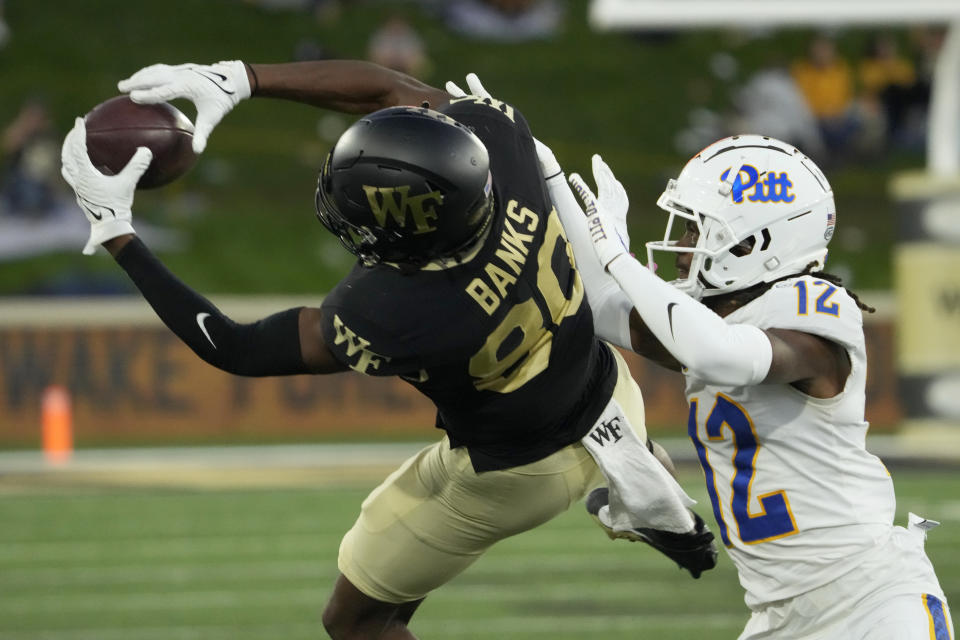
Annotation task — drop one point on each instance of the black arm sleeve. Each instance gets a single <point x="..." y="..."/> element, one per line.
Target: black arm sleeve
<point x="268" y="347"/>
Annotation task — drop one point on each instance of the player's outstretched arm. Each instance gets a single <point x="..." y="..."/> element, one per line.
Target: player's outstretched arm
<point x="614" y="314"/>
<point x="693" y="334"/>
<point x="666" y="320"/>
<point x="351" y="86"/>
<point x="645" y="343"/>
<point x="610" y="306"/>
<point x="284" y="343"/>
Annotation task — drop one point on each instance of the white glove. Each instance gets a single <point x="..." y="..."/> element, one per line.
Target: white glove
<point x="549" y="166"/>
<point x="214" y="89"/>
<point x="612" y="198"/>
<point x="106" y="200"/>
<point x="473" y="83"/>
<point x="603" y="214"/>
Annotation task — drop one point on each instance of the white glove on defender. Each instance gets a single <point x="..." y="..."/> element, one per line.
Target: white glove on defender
<point x="606" y="217"/>
<point x="214" y="89"/>
<point x="106" y="200"/>
<point x="702" y="341"/>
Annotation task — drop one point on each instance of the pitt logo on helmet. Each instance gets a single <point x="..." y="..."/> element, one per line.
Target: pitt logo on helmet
<point x="397" y="202"/>
<point x="773" y="187"/>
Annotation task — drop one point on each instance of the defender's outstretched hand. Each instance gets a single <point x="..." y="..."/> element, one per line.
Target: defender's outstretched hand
<point x="106" y="200"/>
<point x="606" y="215"/>
<point x="214" y="89"/>
<point x="612" y="198"/>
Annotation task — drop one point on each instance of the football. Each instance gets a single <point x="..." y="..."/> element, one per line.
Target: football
<point x="116" y="127"/>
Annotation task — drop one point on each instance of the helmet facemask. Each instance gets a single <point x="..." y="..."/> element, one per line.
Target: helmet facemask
<point x="710" y="231"/>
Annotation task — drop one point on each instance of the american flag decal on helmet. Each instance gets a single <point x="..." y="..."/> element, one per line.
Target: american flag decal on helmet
<point x="831" y="224"/>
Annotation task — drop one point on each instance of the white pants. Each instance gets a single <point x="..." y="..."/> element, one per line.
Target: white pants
<point x="893" y="595"/>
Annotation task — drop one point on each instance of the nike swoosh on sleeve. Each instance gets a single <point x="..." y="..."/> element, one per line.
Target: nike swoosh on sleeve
<point x="670" y="317"/>
<point x="201" y="317"/>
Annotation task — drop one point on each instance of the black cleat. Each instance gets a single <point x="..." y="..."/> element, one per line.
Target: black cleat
<point x="695" y="552"/>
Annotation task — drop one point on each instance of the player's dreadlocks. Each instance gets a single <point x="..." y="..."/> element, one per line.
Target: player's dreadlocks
<point x="837" y="280"/>
<point x="742" y="297"/>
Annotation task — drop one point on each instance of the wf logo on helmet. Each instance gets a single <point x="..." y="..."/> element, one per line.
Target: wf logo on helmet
<point x="773" y="187"/>
<point x="397" y="203"/>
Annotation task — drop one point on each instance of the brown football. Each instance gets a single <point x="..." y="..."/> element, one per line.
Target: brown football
<point x="116" y="127"/>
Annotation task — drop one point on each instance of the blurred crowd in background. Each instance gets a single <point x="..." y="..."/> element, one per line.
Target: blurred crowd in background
<point x="38" y="216"/>
<point x="837" y="109"/>
<point x="834" y="108"/>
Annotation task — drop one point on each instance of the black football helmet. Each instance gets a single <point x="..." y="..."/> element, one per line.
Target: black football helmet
<point x="406" y="185"/>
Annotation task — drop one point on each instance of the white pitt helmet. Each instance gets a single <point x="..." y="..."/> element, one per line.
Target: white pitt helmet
<point x="754" y="190"/>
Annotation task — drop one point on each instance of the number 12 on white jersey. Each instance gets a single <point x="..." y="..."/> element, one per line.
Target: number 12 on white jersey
<point x="774" y="519"/>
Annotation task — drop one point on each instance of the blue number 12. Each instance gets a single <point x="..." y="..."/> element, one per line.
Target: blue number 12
<point x="823" y="304"/>
<point x="775" y="519"/>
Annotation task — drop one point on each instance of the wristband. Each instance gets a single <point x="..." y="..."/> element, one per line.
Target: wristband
<point x="256" y="81"/>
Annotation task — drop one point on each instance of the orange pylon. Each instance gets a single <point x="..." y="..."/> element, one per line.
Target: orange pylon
<point x="57" y="419"/>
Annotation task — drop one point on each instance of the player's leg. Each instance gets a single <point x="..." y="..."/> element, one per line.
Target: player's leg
<point x="906" y="601"/>
<point x="406" y="611"/>
<point x="431" y="519"/>
<point x="915" y="616"/>
<point x="367" y="600"/>
<point x="893" y="594"/>
<point x="351" y="613"/>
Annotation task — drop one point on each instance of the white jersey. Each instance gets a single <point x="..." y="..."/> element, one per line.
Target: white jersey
<point x="798" y="499"/>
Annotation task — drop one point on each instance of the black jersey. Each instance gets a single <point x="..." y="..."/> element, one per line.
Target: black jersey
<point x="502" y="342"/>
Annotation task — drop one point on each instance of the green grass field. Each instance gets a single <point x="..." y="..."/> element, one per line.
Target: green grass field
<point x="142" y="564"/>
